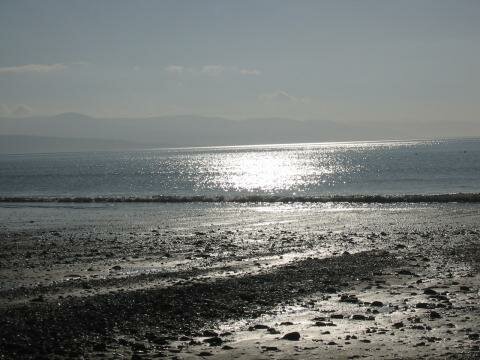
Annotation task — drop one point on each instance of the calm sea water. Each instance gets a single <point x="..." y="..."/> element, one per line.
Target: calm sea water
<point x="303" y="170"/>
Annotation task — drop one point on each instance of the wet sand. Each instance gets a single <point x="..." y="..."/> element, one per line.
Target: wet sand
<point x="259" y="282"/>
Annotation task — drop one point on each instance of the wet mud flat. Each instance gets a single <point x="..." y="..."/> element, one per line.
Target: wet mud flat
<point x="381" y="288"/>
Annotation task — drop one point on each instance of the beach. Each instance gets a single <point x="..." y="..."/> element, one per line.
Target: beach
<point x="242" y="180"/>
<point x="255" y="280"/>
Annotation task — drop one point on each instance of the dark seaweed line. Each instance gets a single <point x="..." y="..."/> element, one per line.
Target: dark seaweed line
<point x="366" y="199"/>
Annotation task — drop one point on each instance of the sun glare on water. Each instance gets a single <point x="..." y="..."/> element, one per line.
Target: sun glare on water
<point x="293" y="169"/>
<point x="267" y="171"/>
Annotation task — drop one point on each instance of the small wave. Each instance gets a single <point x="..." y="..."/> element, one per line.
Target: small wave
<point x="367" y="199"/>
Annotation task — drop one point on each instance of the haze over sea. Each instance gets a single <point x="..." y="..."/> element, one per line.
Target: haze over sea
<point x="242" y="173"/>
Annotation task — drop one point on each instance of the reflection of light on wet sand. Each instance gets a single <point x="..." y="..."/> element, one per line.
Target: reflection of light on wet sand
<point x="325" y="207"/>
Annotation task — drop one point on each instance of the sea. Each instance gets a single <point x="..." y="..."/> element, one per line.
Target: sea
<point x="361" y="171"/>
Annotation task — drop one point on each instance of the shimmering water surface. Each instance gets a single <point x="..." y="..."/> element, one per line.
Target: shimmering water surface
<point x="413" y="167"/>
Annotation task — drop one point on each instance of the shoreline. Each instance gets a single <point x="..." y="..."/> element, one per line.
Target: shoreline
<point x="394" y="282"/>
<point x="434" y="198"/>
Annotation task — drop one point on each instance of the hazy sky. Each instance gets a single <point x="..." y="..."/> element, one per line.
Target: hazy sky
<point x="334" y="60"/>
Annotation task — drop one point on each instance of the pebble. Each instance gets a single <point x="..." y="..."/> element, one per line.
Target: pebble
<point x="214" y="341"/>
<point x="271" y="348"/>
<point x="259" y="327"/>
<point x="435" y="315"/>
<point x="205" y="353"/>
<point x="430" y="291"/>
<point x="210" y="333"/>
<point x="293" y="336"/>
<point x="406" y="272"/>
<point x="425" y="306"/>
<point x="349" y="298"/>
<point x="362" y="317"/>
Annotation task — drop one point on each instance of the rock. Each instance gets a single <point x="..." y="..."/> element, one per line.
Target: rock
<point x="260" y="326"/>
<point x="138" y="346"/>
<point x="293" y="336"/>
<point x="430" y="291"/>
<point x="406" y="272"/>
<point x="286" y="323"/>
<point x="271" y="348"/>
<point x="205" y="353"/>
<point x="273" y="331"/>
<point x="336" y="316"/>
<point x="377" y="304"/>
<point x="158" y="340"/>
<point x="214" y="341"/>
<point x="209" y="333"/>
<point x="425" y="306"/>
<point x="101" y="347"/>
<point x="117" y="267"/>
<point x="398" y="325"/>
<point x="322" y="323"/>
<point x="435" y="315"/>
<point x="123" y="342"/>
<point x="349" y="298"/>
<point x="358" y="317"/>
<point x="227" y="347"/>
<point x="73" y="276"/>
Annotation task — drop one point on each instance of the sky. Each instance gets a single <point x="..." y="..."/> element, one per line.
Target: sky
<point x="348" y="61"/>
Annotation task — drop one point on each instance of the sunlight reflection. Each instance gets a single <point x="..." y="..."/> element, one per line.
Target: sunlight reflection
<point x="267" y="171"/>
<point x="292" y="170"/>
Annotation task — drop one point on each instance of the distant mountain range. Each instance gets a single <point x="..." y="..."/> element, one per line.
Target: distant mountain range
<point x="20" y="144"/>
<point x="77" y="132"/>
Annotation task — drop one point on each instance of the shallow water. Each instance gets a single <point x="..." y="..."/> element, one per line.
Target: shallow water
<point x="299" y="170"/>
<point x="190" y="217"/>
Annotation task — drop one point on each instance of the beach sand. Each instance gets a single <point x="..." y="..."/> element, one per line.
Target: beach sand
<point x="241" y="281"/>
